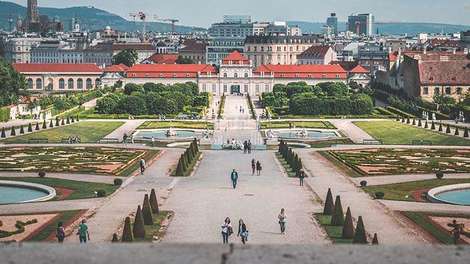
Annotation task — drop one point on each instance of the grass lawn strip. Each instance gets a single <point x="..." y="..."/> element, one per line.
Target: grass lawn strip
<point x="297" y="124"/>
<point x="334" y="232"/>
<point x="403" y="191"/>
<point x="154" y="230"/>
<point x="81" y="190"/>
<point x="176" y="124"/>
<point x="88" y="131"/>
<point x="396" y="133"/>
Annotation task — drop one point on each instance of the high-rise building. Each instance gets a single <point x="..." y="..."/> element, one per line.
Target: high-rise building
<point x="33" y="14"/>
<point x="361" y="24"/>
<point x="332" y="23"/>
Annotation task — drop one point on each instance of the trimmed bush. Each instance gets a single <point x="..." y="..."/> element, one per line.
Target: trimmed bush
<point x="51" y="124"/>
<point x="37" y="127"/>
<point x="4" y="135"/>
<point x="408" y="120"/>
<point x="115" y="238"/>
<point x="62" y="123"/>
<point x="147" y="211"/>
<point x="68" y="120"/>
<point x="440" y="175"/>
<point x="363" y="183"/>
<point x="348" y="228"/>
<point x="72" y="119"/>
<point x="375" y="240"/>
<point x="44" y="124"/>
<point x="457" y="132"/>
<point x="127" y="231"/>
<point x="426" y="125"/>
<point x="433" y="125"/>
<point x="338" y="216"/>
<point x="448" y="129"/>
<point x="360" y="236"/>
<point x="42" y="174"/>
<point x="465" y="133"/>
<point x="13" y="131"/>
<point x="329" y="206"/>
<point x="154" y="202"/>
<point x="30" y="127"/>
<point x="379" y="195"/>
<point x="101" y="193"/>
<point x="138" y="230"/>
<point x="440" y="127"/>
<point x="57" y="122"/>
<point x="420" y="123"/>
<point x="118" y="182"/>
<point x="21" y="130"/>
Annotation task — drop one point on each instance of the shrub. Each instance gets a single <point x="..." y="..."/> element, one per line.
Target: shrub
<point x="456" y="131"/>
<point x="375" y="240"/>
<point x="118" y="182"/>
<point x="440" y="127"/>
<point x="379" y="195"/>
<point x="338" y="216"/>
<point x="360" y="236"/>
<point x="147" y="211"/>
<point x="13" y="131"/>
<point x="3" y="133"/>
<point x="465" y="133"/>
<point x="448" y="129"/>
<point x="138" y="229"/>
<point x="37" y="126"/>
<point x="115" y="238"/>
<point x="329" y="206"/>
<point x="426" y="125"/>
<point x="42" y="174"/>
<point x="127" y="231"/>
<point x="44" y="125"/>
<point x="420" y="123"/>
<point x="51" y="124"/>
<point x="101" y="193"/>
<point x="363" y="183"/>
<point x="30" y="127"/>
<point x="154" y="202"/>
<point x="414" y="122"/>
<point x="433" y="125"/>
<point x="57" y="122"/>
<point x="440" y="175"/>
<point x="21" y="130"/>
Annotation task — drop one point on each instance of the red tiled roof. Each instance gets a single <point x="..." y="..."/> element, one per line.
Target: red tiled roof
<point x="41" y="68"/>
<point x="116" y="68"/>
<point x="392" y="57"/>
<point x="359" y="69"/>
<point x="236" y="58"/>
<point x="169" y="70"/>
<point x="303" y="71"/>
<point x="445" y="72"/>
<point x="159" y="58"/>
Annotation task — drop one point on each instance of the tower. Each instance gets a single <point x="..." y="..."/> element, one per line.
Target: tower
<point x="33" y="14"/>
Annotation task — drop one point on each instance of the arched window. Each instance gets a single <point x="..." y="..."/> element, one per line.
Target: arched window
<point x="38" y="83"/>
<point x="70" y="83"/>
<point x="225" y="75"/>
<point x="61" y="83"/>
<point x="246" y="75"/>
<point x="89" y="83"/>
<point x="97" y="83"/>
<point x="30" y="83"/>
<point x="235" y="75"/>
<point x="80" y="83"/>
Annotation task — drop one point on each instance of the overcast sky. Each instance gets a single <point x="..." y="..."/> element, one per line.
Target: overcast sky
<point x="203" y="13"/>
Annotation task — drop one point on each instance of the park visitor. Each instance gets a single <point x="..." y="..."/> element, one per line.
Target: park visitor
<point x="60" y="232"/>
<point x="282" y="220"/>
<point x="242" y="231"/>
<point x="301" y="175"/>
<point x="258" y="167"/>
<point x="253" y="166"/>
<point x="226" y="230"/>
<point x="142" y="166"/>
<point x="83" y="234"/>
<point x="234" y="178"/>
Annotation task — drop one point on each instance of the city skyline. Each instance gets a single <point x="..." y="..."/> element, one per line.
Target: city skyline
<point x="436" y="12"/>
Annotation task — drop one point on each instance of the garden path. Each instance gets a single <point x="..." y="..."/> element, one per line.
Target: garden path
<point x="389" y="225"/>
<point x="127" y="128"/>
<point x="347" y="127"/>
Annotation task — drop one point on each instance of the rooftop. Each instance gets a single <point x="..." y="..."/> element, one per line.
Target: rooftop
<point x="45" y="68"/>
<point x="445" y="72"/>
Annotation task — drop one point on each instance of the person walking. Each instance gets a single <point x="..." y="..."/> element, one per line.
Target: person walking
<point x="301" y="175"/>
<point x="83" y="234"/>
<point x="258" y="168"/>
<point x="226" y="230"/>
<point x="253" y="166"/>
<point x="142" y="166"/>
<point x="60" y="232"/>
<point x="249" y="146"/>
<point x="234" y="178"/>
<point x="245" y="147"/>
<point x="282" y="220"/>
<point x="242" y="231"/>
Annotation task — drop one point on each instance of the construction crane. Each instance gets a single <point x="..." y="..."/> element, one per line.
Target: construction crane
<point x="173" y="22"/>
<point x="143" y="18"/>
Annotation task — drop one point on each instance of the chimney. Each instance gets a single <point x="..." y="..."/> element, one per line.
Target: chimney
<point x="454" y="50"/>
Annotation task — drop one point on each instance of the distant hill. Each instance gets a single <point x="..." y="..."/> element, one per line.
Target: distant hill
<point x="389" y="28"/>
<point x="90" y="18"/>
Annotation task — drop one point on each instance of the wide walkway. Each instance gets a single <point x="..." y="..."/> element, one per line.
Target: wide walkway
<point x="392" y="229"/>
<point x="202" y="202"/>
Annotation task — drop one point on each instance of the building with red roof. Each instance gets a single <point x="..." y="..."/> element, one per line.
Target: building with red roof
<point x="317" y="54"/>
<point x="160" y="58"/>
<point x="60" y="77"/>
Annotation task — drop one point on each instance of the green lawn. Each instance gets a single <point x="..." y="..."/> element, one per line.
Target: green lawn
<point x="81" y="190"/>
<point x="88" y="131"/>
<point x="154" y="230"/>
<point x="297" y="124"/>
<point x="334" y="232"/>
<point x="396" y="133"/>
<point x="402" y="191"/>
<point x="177" y="124"/>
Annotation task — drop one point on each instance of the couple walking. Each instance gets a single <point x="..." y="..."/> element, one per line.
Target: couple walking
<point x="247" y="147"/>
<point x="256" y="167"/>
<point x="227" y="231"/>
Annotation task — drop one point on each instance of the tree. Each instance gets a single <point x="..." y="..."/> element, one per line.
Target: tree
<point x="131" y="88"/>
<point x="107" y="105"/>
<point x="30" y="127"/>
<point x="147" y="211"/>
<point x="127" y="57"/>
<point x="127" y="231"/>
<point x="338" y="216"/>
<point x="133" y="105"/>
<point x="348" y="228"/>
<point x="12" y="84"/>
<point x="13" y="131"/>
<point x="360" y="236"/>
<point x="154" y="202"/>
<point x="329" y="206"/>
<point x="334" y="88"/>
<point x="138" y="229"/>
<point x="3" y="133"/>
<point x="182" y="60"/>
<point x="21" y="130"/>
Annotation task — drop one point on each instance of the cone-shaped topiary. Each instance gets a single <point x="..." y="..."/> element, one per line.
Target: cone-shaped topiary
<point x="338" y="216"/>
<point x="62" y="123"/>
<point x="44" y="124"/>
<point x="68" y="120"/>
<point x="154" y="202"/>
<point x="408" y="120"/>
<point x="440" y="127"/>
<point x="30" y="127"/>
<point x="138" y="230"/>
<point x="348" y="228"/>
<point x="414" y="122"/>
<point x="127" y="231"/>
<point x="360" y="236"/>
<point x="13" y="131"/>
<point x="403" y="120"/>
<point x="329" y="206"/>
<point x="179" y="167"/>
<point x="375" y="240"/>
<point x="420" y="123"/>
<point x="4" y="135"/>
<point x="433" y="125"/>
<point x="51" y="124"/>
<point x="72" y="119"/>
<point x="57" y="121"/>
<point x="457" y="132"/>
<point x="115" y="238"/>
<point x="465" y="133"/>
<point x="448" y="129"/>
<point x="426" y="125"/>
<point x="77" y="119"/>
<point x="147" y="211"/>
<point x="37" y="126"/>
<point x="21" y="130"/>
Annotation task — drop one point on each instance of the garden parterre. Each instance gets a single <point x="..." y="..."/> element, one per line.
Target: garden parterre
<point x="395" y="161"/>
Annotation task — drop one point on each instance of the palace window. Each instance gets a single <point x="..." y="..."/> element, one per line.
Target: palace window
<point x="437" y="91"/>
<point x="80" y="83"/>
<point x="70" y="83"/>
<point x="425" y="90"/>
<point x="89" y="83"/>
<point x="30" y="83"/>
<point x="448" y="90"/>
<point x="61" y="84"/>
<point x="38" y="83"/>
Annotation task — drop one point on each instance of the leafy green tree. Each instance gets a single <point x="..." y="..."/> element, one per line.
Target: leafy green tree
<point x="107" y="105"/>
<point x="12" y="84"/>
<point x="133" y="105"/>
<point x="334" y="88"/>
<point x="127" y="57"/>
<point x="131" y="88"/>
